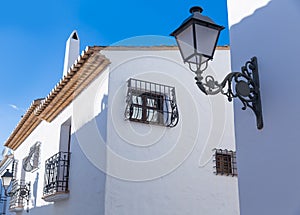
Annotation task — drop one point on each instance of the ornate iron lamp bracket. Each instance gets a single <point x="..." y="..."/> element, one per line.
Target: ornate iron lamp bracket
<point x="22" y="191"/>
<point x="243" y="85"/>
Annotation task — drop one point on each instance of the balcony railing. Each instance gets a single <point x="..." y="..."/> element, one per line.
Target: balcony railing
<point x="57" y="177"/>
<point x="19" y="195"/>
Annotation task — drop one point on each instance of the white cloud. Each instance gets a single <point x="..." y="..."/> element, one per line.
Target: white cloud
<point x="14" y="106"/>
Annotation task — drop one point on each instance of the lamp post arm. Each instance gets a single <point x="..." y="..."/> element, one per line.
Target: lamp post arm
<point x="243" y="85"/>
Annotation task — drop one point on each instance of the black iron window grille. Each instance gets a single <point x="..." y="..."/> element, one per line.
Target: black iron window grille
<point x="15" y="168"/>
<point x="19" y="195"/>
<point x="57" y="173"/>
<point x="151" y="103"/>
<point x="225" y="162"/>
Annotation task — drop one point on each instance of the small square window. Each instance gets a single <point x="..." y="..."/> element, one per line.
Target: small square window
<point x="225" y="162"/>
<point x="151" y="103"/>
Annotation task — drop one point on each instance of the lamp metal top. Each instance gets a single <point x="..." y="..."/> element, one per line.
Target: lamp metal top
<point x="196" y="9"/>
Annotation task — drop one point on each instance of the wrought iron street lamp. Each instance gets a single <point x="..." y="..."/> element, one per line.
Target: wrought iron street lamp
<point x="6" y="180"/>
<point x="197" y="38"/>
<point x="22" y="190"/>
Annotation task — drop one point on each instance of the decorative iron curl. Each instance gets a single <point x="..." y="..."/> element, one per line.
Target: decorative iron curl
<point x="198" y="68"/>
<point x="161" y="107"/>
<point x="243" y="85"/>
<point x="174" y="111"/>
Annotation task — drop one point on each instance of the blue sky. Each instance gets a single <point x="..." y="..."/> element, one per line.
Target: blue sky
<point x="33" y="35"/>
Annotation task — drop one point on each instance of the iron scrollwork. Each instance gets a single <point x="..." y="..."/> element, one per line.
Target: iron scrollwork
<point x="19" y="193"/>
<point x="243" y="85"/>
<point x="57" y="173"/>
<point x="174" y="110"/>
<point x="151" y="103"/>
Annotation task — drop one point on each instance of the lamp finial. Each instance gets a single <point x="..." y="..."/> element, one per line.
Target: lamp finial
<point x="196" y="9"/>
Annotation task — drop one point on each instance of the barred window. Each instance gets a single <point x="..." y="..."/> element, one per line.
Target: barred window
<point x="146" y="107"/>
<point x="225" y="162"/>
<point x="152" y="103"/>
<point x="15" y="168"/>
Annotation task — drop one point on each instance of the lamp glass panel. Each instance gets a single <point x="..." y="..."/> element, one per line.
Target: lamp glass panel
<point x="6" y="181"/>
<point x="206" y="40"/>
<point x="185" y="42"/>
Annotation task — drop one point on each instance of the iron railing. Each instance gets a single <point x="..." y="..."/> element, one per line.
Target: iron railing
<point x="19" y="195"/>
<point x="57" y="173"/>
<point x="151" y="103"/>
<point x="225" y="162"/>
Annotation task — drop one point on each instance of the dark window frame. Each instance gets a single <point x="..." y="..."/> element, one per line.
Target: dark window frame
<point x="151" y="112"/>
<point x="225" y="162"/>
<point x="151" y="103"/>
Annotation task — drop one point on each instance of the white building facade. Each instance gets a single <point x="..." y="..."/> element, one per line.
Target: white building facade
<point x="127" y="131"/>
<point x="268" y="30"/>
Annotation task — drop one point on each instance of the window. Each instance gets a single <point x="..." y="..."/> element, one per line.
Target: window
<point x="225" y="162"/>
<point x="56" y="178"/>
<point x="146" y="107"/>
<point x="151" y="103"/>
<point x="15" y="168"/>
<point x="65" y="136"/>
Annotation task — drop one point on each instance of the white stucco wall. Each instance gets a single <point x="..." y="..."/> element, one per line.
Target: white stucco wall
<point x="122" y="167"/>
<point x="86" y="182"/>
<point x="268" y="159"/>
<point x="158" y="170"/>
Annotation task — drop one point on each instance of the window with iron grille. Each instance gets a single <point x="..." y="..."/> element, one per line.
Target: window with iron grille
<point x="57" y="174"/>
<point x="15" y="168"/>
<point x="225" y="162"/>
<point x="151" y="103"/>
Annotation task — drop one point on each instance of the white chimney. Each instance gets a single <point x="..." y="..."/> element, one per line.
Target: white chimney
<point x="72" y="51"/>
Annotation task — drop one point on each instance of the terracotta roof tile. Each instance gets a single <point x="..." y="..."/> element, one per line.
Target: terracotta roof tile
<point x="77" y="78"/>
<point x="87" y="66"/>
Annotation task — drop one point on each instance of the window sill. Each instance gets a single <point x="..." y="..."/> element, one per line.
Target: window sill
<point x="16" y="208"/>
<point x="56" y="196"/>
